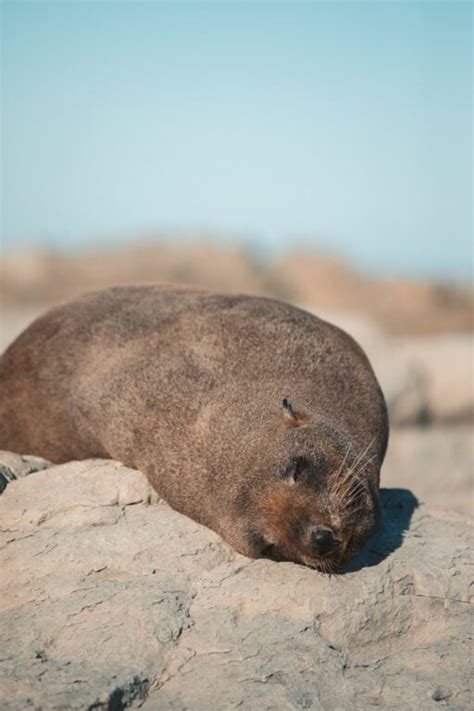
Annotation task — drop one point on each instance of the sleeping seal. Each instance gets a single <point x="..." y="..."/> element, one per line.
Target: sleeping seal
<point x="249" y="415"/>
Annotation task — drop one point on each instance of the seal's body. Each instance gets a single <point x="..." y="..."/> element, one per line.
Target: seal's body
<point x="251" y="416"/>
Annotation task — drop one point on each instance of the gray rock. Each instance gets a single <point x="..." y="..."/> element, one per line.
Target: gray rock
<point x="14" y="466"/>
<point x="429" y="379"/>
<point x="110" y="602"/>
<point x="435" y="463"/>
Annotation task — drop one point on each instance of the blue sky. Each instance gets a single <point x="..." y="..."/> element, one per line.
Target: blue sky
<point x="339" y="125"/>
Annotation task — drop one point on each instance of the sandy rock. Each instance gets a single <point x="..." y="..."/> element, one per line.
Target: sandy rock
<point x="444" y="366"/>
<point x="435" y="463"/>
<point x="15" y="466"/>
<point x="109" y="602"/>
<point x="95" y="495"/>
<point x="32" y="277"/>
<point x="398" y="306"/>
<point x="428" y="379"/>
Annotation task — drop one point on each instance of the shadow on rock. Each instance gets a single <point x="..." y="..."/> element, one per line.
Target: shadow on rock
<point x="397" y="507"/>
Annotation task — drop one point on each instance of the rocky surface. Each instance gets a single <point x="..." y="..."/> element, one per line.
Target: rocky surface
<point x="435" y="463"/>
<point x="111" y="600"/>
<point x="428" y="379"/>
<point x="15" y="466"/>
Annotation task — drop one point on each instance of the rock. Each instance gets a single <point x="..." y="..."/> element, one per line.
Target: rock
<point x="443" y="368"/>
<point x="398" y="306"/>
<point x="31" y="277"/>
<point x="435" y="463"/>
<point x="110" y="602"/>
<point x="15" y="466"/>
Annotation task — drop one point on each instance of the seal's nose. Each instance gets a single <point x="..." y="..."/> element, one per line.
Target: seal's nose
<point x="322" y="541"/>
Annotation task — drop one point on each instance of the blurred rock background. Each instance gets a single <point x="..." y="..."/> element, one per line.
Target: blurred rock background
<point x="417" y="334"/>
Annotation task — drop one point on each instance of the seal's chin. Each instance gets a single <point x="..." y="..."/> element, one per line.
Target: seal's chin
<point x="327" y="559"/>
<point x="331" y="563"/>
<point x="272" y="551"/>
<point x="327" y="564"/>
<point x="322" y="566"/>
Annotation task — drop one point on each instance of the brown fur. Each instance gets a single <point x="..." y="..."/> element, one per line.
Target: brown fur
<point x="188" y="386"/>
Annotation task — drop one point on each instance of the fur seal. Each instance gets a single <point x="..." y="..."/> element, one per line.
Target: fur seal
<point x="251" y="416"/>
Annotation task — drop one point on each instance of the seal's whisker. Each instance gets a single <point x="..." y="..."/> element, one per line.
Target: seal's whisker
<point x="351" y="506"/>
<point x="342" y="483"/>
<point x="329" y="567"/>
<point x="332" y="568"/>
<point x="349" y="486"/>
<point x="355" y="492"/>
<point x="356" y="489"/>
<point x="337" y="479"/>
<point x="324" y="565"/>
<point x="362" y="454"/>
<point x="335" y="488"/>
<point x="354" y="486"/>
<point x="354" y="470"/>
<point x="348" y="540"/>
<point x="365" y="464"/>
<point x="344" y="460"/>
<point x="351" y="482"/>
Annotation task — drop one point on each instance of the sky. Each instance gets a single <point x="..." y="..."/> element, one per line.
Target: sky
<point x="341" y="126"/>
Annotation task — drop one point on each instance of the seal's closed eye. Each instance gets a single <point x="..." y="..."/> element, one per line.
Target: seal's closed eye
<point x="299" y="468"/>
<point x="261" y="545"/>
<point x="295" y="469"/>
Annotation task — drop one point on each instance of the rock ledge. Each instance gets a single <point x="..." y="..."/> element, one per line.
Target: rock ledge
<point x="111" y="600"/>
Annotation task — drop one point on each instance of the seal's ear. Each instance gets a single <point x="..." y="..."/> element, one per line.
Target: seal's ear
<point x="289" y="415"/>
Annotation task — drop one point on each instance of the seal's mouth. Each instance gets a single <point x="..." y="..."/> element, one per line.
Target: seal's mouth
<point x="325" y="564"/>
<point x="329" y="559"/>
<point x="271" y="550"/>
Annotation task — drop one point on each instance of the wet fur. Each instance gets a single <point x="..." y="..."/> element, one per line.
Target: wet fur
<point x="187" y="386"/>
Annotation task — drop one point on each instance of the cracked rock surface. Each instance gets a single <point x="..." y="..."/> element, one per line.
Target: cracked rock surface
<point x="111" y="600"/>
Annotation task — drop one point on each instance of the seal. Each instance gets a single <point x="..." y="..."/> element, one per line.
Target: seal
<point x="250" y="416"/>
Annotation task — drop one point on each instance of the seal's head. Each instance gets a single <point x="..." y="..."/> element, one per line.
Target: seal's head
<point x="318" y="502"/>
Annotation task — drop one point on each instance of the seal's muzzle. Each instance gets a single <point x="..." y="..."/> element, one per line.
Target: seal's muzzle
<point x="322" y="541"/>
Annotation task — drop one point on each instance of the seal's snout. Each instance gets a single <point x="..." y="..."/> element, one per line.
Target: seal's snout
<point x="322" y="541"/>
